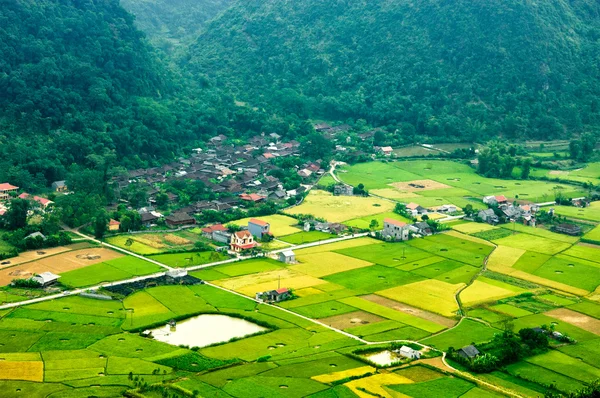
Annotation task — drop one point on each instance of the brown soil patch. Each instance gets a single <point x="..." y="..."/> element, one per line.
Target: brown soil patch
<point x="351" y="319"/>
<point x="575" y="318"/>
<point x="557" y="172"/>
<point x="33" y="255"/>
<point x="58" y="264"/>
<point x="419" y="185"/>
<point x="395" y="305"/>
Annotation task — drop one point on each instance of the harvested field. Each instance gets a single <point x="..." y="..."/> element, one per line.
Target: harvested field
<point x="22" y="370"/>
<point x="480" y="292"/>
<point x="577" y="319"/>
<point x="374" y="384"/>
<point x="419" y="185"/>
<point x="250" y="284"/>
<point x="177" y="240"/>
<point x="34" y="255"/>
<point x="392" y="193"/>
<point x="351" y="319"/>
<point x="58" y="264"/>
<point x="431" y="295"/>
<point x="323" y="264"/>
<point x="395" y="305"/>
<point x="504" y="257"/>
<point x="340" y="208"/>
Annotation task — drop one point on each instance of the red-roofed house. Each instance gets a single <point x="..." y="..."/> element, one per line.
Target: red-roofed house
<point x="42" y="201"/>
<point x="5" y="188"/>
<point x="501" y="199"/>
<point x="24" y="195"/>
<point x="394" y="229"/>
<point x="242" y="240"/>
<point x="252" y="197"/>
<point x="208" y="231"/>
<point x="274" y="295"/>
<point x="258" y="228"/>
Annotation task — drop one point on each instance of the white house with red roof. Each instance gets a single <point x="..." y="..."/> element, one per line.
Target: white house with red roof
<point x="498" y="199"/>
<point x="5" y="189"/>
<point x="274" y="295"/>
<point x="394" y="229"/>
<point x="242" y="240"/>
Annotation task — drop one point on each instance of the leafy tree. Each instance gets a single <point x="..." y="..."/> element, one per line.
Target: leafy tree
<point x="100" y="224"/>
<point x="16" y="216"/>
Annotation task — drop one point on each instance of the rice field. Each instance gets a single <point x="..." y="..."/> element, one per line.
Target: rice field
<point x="324" y="205"/>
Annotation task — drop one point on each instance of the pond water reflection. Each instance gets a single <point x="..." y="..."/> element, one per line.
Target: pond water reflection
<point x="203" y="330"/>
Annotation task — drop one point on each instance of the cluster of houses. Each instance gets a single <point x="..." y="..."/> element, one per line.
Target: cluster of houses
<point x="7" y="191"/>
<point x="509" y="211"/>
<point x="239" y="241"/>
<point x="236" y="174"/>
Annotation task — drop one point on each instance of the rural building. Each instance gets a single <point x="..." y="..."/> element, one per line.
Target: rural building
<point x="5" y="188"/>
<point x="46" y="278"/>
<point x="274" y="295"/>
<point x="207" y="232"/>
<point x="221" y="236"/>
<point x="415" y="209"/>
<point x="148" y="218"/>
<point x="252" y="197"/>
<point x="387" y="150"/>
<point x="495" y="200"/>
<point x="423" y="228"/>
<point x="242" y="240"/>
<point x="343" y="190"/>
<point x="179" y="219"/>
<point x="59" y="186"/>
<point x="113" y="225"/>
<point x="304" y="173"/>
<point x="448" y="209"/>
<point x="287" y="257"/>
<point x="568" y="229"/>
<point x="36" y="235"/>
<point x="397" y="230"/>
<point x="468" y="352"/>
<point x="488" y="216"/>
<point x="259" y="228"/>
<point x="408" y="352"/>
<point x="43" y="202"/>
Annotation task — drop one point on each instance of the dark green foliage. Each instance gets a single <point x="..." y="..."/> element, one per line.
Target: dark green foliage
<point x="26" y="283"/>
<point x="592" y="391"/>
<point x="16" y="216"/>
<point x="194" y="362"/>
<point x="461" y="69"/>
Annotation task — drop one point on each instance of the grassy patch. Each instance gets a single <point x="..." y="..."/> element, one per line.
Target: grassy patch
<point x="467" y="332"/>
<point x="306" y="237"/>
<point x="371" y="279"/>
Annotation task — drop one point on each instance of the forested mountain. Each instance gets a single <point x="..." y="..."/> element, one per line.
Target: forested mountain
<point x="79" y="84"/>
<point x="466" y="69"/>
<point x="171" y="23"/>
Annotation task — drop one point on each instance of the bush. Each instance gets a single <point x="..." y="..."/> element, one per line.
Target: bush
<point x="26" y="283"/>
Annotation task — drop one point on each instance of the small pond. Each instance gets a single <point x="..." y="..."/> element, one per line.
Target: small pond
<point x="203" y="330"/>
<point x="383" y="358"/>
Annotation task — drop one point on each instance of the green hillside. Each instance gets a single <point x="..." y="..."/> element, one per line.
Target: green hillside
<point x="79" y="82"/>
<point x="464" y="68"/>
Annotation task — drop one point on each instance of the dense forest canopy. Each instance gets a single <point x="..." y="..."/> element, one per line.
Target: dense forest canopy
<point x="463" y="68"/>
<point x="172" y="23"/>
<point x="79" y="84"/>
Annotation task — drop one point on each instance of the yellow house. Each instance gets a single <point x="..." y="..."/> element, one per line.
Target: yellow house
<point x="113" y="225"/>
